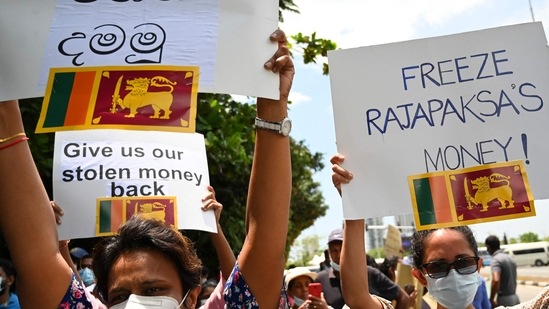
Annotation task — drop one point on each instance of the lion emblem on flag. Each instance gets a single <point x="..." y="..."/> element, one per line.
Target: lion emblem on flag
<point x="489" y="189"/>
<point x="154" y="210"/>
<point x="140" y="96"/>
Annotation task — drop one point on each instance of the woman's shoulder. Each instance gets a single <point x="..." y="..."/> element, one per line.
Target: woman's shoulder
<point x="238" y="294"/>
<point x="385" y="303"/>
<point x="78" y="295"/>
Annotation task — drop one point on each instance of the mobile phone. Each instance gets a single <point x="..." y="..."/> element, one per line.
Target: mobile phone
<point x="315" y="289"/>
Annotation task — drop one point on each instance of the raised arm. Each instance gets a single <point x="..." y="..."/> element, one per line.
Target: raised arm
<point x="262" y="257"/>
<point x="224" y="252"/>
<point x="27" y="219"/>
<point x="353" y="272"/>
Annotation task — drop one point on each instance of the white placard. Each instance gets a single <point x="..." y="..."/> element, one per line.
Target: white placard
<point x="436" y="104"/>
<point x="115" y="163"/>
<point x="232" y="56"/>
<point x="107" y="32"/>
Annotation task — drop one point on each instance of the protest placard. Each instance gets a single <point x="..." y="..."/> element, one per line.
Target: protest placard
<point x="228" y="40"/>
<point x="393" y="242"/>
<point x="439" y="104"/>
<point x="124" y="166"/>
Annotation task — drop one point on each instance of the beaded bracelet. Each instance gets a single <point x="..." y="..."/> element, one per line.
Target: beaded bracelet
<point x="8" y="145"/>
<point x="3" y="140"/>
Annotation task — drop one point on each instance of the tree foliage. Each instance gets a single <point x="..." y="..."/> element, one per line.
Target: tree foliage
<point x="311" y="47"/>
<point x="529" y="237"/>
<point x="308" y="248"/>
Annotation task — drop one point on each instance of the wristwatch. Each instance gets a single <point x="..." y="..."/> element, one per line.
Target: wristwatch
<point x="282" y="127"/>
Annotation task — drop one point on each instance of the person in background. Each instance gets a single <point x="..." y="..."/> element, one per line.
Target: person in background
<point x="8" y="296"/>
<point x="207" y="289"/>
<point x="504" y="275"/>
<point x="481" y="300"/>
<point x="329" y="278"/>
<point x="371" y="261"/>
<point x="85" y="270"/>
<point x="298" y="280"/>
<point x="389" y="267"/>
<point x="326" y="263"/>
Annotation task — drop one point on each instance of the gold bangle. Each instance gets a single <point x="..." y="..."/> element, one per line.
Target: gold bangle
<point x="3" y="140"/>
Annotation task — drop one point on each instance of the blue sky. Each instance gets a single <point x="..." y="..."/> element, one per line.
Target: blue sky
<point x="354" y="23"/>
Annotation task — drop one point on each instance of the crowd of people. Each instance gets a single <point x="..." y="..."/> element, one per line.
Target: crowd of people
<point x="148" y="264"/>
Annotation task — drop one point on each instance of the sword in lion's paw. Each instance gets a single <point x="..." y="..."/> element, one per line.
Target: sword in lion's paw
<point x="467" y="194"/>
<point x="116" y="94"/>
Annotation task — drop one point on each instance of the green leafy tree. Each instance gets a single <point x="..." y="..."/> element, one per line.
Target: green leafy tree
<point x="529" y="237"/>
<point x="377" y="253"/>
<point x="228" y="128"/>
<point x="308" y="248"/>
<point x="311" y="47"/>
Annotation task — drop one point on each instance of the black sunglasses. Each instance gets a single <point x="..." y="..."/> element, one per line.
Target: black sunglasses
<point x="440" y="269"/>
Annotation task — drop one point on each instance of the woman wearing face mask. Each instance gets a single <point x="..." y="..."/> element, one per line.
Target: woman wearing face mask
<point x="297" y="281"/>
<point x="445" y="261"/>
<point x="147" y="263"/>
<point x="8" y="298"/>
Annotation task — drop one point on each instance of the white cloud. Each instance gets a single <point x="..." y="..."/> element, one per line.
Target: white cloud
<point x="354" y="23"/>
<point x="243" y="99"/>
<point x="298" y="98"/>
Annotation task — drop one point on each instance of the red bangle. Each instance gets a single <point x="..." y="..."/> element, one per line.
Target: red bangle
<point x="13" y="143"/>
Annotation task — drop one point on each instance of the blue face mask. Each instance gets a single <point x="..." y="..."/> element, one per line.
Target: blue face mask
<point x="455" y="291"/>
<point x="334" y="265"/>
<point x="87" y="276"/>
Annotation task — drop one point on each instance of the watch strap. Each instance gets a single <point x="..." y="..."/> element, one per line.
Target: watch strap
<point x="268" y="125"/>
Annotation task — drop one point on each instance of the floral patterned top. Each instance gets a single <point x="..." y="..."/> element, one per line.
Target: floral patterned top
<point x="77" y="297"/>
<point x="238" y="293"/>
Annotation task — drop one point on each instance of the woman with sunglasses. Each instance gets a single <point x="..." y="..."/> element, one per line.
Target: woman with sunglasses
<point x="445" y="261"/>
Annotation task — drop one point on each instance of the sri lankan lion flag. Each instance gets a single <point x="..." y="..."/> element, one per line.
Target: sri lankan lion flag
<point x="120" y="97"/>
<point x="484" y="193"/>
<point x="112" y="212"/>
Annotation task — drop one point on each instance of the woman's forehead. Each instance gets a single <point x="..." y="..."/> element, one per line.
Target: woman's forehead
<point x="448" y="242"/>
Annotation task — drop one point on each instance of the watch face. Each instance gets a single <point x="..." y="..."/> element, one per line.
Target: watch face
<point x="286" y="127"/>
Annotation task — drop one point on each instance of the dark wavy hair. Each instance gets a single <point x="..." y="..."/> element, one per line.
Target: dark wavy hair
<point x="387" y="264"/>
<point x="492" y="241"/>
<point x="147" y="234"/>
<point x="9" y="269"/>
<point x="419" y="239"/>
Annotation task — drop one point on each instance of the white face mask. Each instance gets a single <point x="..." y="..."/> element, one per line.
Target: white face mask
<point x="298" y="301"/>
<point x="334" y="265"/>
<point x="150" y="302"/>
<point x="1" y="286"/>
<point x="454" y="291"/>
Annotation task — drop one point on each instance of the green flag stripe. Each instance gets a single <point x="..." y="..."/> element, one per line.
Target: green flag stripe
<point x="424" y="199"/>
<point x="105" y="216"/>
<point x="59" y="99"/>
